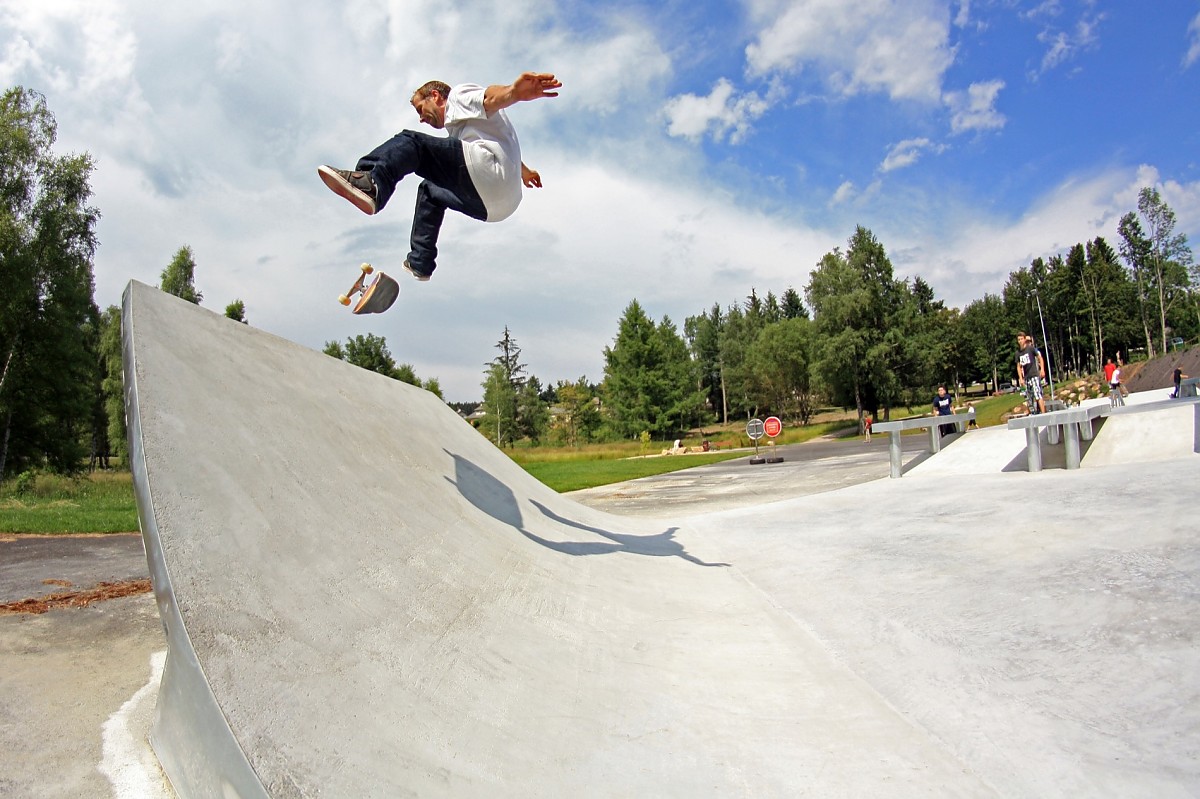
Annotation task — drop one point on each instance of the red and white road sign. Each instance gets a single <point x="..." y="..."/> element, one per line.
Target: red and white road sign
<point x="772" y="426"/>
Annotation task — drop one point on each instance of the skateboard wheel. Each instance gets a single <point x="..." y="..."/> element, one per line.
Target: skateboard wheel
<point x="367" y="269"/>
<point x="343" y="299"/>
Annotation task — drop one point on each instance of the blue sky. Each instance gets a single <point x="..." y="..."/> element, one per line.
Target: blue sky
<point x="698" y="150"/>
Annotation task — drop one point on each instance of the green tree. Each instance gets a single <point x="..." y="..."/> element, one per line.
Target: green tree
<point x="236" y="311"/>
<point x="1108" y="298"/>
<point x="434" y="387"/>
<point x="579" y="413"/>
<point x="780" y="364"/>
<point x="855" y="300"/>
<point x="793" y="306"/>
<point x="502" y="393"/>
<point x="988" y="338"/>
<point x="405" y="373"/>
<point x="499" y="422"/>
<point x="47" y="313"/>
<point x="928" y="342"/>
<point x="738" y="333"/>
<point x="533" y="414"/>
<point x="685" y="399"/>
<point x="180" y="275"/>
<point x="112" y="382"/>
<point x="1169" y="256"/>
<point x="650" y="381"/>
<point x="1136" y="252"/>
<point x="371" y="352"/>
<point x="703" y="333"/>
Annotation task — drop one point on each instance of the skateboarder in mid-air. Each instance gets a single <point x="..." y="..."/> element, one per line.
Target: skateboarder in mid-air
<point x="476" y="171"/>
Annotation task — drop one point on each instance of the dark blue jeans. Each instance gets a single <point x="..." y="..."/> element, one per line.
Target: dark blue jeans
<point x="446" y="184"/>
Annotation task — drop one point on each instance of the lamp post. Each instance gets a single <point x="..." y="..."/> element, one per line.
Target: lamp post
<point x="1045" y="341"/>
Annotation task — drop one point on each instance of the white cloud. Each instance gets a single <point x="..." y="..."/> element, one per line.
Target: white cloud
<point x="1065" y="45"/>
<point x="844" y="193"/>
<point x="975" y="109"/>
<point x="723" y="112"/>
<point x="606" y="71"/>
<point x="969" y="252"/>
<point x="963" y="17"/>
<point x="907" y="153"/>
<point x="1193" y="52"/>
<point x="207" y="122"/>
<point x="901" y="49"/>
<point x="1048" y="8"/>
<point x="850" y="196"/>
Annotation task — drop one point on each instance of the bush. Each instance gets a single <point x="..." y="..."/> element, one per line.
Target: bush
<point x="26" y="482"/>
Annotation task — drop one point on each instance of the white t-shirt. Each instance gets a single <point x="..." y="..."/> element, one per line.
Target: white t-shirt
<point x="490" y="147"/>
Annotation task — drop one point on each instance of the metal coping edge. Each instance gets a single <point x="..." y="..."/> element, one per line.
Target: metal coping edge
<point x="195" y="745"/>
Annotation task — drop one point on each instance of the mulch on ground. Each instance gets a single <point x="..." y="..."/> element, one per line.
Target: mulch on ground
<point x="75" y="599"/>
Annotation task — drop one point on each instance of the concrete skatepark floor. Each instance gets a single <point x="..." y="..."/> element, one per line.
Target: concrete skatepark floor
<point x="960" y="631"/>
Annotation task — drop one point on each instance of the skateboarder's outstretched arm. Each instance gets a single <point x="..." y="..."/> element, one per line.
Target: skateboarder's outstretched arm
<point x="530" y="86"/>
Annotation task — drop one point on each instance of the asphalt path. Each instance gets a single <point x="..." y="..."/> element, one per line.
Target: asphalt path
<point x="65" y="673"/>
<point x="824" y="464"/>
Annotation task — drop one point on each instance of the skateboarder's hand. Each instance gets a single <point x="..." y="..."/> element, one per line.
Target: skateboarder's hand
<point x="532" y="85"/>
<point x="530" y="178"/>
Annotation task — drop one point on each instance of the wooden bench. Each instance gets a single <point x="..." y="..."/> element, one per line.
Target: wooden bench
<point x="894" y="429"/>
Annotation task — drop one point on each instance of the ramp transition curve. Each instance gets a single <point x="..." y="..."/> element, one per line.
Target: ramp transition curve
<point x="364" y="598"/>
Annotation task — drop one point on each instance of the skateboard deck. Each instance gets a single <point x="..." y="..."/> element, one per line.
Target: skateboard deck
<point x="376" y="297"/>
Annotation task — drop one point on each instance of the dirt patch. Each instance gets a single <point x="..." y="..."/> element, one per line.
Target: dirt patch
<point x="75" y="599"/>
<point x="1158" y="373"/>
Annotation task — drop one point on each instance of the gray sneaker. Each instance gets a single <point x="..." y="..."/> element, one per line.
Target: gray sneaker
<point x="357" y="187"/>
<point x="421" y="276"/>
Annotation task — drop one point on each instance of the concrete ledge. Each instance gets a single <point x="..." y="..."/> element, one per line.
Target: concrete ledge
<point x="1075" y="422"/>
<point x="933" y="423"/>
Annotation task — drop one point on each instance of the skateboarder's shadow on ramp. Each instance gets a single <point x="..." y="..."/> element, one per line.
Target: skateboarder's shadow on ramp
<point x="495" y="499"/>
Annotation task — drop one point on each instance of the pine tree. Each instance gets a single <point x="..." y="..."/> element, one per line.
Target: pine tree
<point x="651" y="383"/>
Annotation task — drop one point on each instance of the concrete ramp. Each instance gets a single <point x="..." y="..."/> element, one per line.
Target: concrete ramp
<point x="987" y="450"/>
<point x="1144" y="437"/>
<point x="364" y="598"/>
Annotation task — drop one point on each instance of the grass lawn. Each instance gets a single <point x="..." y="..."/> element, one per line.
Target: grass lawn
<point x="101" y="502"/>
<point x="572" y="475"/>
<point x="571" y="469"/>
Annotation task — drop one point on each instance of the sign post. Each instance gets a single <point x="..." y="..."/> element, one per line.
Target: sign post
<point x="773" y="427"/>
<point x="756" y="429"/>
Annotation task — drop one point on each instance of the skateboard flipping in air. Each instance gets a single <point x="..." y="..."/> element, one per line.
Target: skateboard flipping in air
<point x="376" y="297"/>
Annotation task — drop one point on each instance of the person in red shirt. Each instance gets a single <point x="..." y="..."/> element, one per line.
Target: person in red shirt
<point x="1109" y="368"/>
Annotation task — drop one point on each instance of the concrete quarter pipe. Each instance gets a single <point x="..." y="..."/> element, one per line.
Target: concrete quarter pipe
<point x="364" y="598"/>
